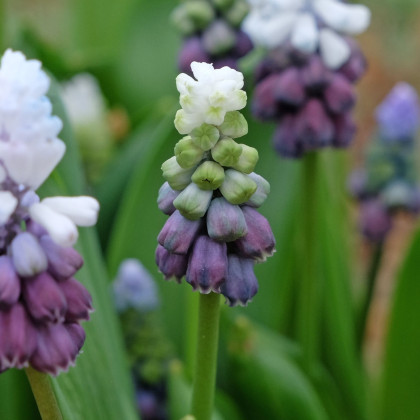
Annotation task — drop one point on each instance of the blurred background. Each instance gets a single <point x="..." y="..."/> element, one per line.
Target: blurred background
<point x="130" y="48"/>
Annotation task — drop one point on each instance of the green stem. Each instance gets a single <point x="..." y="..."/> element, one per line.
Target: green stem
<point x="309" y="290"/>
<point x="370" y="287"/>
<point x="206" y="356"/>
<point x="44" y="395"/>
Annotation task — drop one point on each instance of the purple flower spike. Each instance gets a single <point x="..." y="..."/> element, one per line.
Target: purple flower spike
<point x="192" y="50"/>
<point x="78" y="299"/>
<point x="339" y="95"/>
<point x="171" y="265"/>
<point x="77" y="334"/>
<point x="243" y="44"/>
<point x="285" y="139"/>
<point x="207" y="267"/>
<point x="179" y="233"/>
<point x="399" y="114"/>
<point x="315" y="76"/>
<point x="56" y="350"/>
<point x="225" y="221"/>
<point x="264" y="103"/>
<point x="63" y="262"/>
<point x="17" y="337"/>
<point x="241" y="284"/>
<point x="44" y="299"/>
<point x="375" y="220"/>
<point x="313" y="127"/>
<point x="9" y="282"/>
<point x="345" y="129"/>
<point x="259" y="242"/>
<point x="356" y="66"/>
<point x="289" y="88"/>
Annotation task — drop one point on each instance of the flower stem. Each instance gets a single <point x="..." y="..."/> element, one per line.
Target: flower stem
<point x="370" y="287"/>
<point x="206" y="357"/>
<point x="44" y="395"/>
<point x="309" y="290"/>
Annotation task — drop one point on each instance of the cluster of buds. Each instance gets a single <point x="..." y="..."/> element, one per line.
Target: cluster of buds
<point x="214" y="234"/>
<point x="212" y="32"/>
<point x="388" y="183"/>
<point x="41" y="303"/>
<point x="305" y="83"/>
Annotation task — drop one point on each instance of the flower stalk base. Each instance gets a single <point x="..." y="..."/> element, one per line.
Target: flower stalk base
<point x="206" y="356"/>
<point x="44" y="395"/>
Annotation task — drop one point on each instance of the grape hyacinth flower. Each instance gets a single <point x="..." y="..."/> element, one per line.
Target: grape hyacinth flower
<point x="212" y="33"/>
<point x="308" y="25"/>
<point x="389" y="181"/>
<point x="134" y="288"/>
<point x="41" y="303"/>
<point x="136" y="301"/>
<point x="305" y="82"/>
<point x="214" y="235"/>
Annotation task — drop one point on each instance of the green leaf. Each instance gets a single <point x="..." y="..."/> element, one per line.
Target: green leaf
<point x="338" y="317"/>
<point x="16" y="399"/>
<point x="267" y="380"/>
<point x="401" y="375"/>
<point x="100" y="28"/>
<point x="99" y="387"/>
<point x="143" y="143"/>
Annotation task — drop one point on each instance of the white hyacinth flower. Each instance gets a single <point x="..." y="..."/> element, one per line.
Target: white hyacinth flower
<point x="208" y="98"/>
<point x="308" y="25"/>
<point x="30" y="150"/>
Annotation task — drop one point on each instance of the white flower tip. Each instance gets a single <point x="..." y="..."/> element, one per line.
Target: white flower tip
<point x="8" y="203"/>
<point x="61" y="228"/>
<point x="83" y="210"/>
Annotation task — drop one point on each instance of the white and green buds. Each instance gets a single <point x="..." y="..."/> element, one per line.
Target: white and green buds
<point x="193" y="202"/>
<point x="205" y="136"/>
<point x="234" y="125"/>
<point x="187" y="153"/>
<point x="237" y="187"/>
<point x="178" y="178"/>
<point x="209" y="175"/>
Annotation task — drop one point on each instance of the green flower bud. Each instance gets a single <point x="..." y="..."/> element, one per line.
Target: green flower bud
<point x="178" y="178"/>
<point x="205" y="136"/>
<point x="200" y="12"/>
<point x="247" y="160"/>
<point x="226" y="152"/>
<point x="237" y="187"/>
<point x="193" y="202"/>
<point x="236" y="14"/>
<point x="263" y="189"/>
<point x="187" y="153"/>
<point x="234" y="125"/>
<point x="182" y="22"/>
<point x="209" y="175"/>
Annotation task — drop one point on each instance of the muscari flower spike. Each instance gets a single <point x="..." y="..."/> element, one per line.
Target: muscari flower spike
<point x="305" y="82"/>
<point x="214" y="235"/>
<point x="134" y="288"/>
<point x="41" y="303"/>
<point x="211" y="31"/>
<point x="389" y="180"/>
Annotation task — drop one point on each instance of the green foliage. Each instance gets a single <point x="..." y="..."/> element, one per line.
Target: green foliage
<point x="401" y="376"/>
